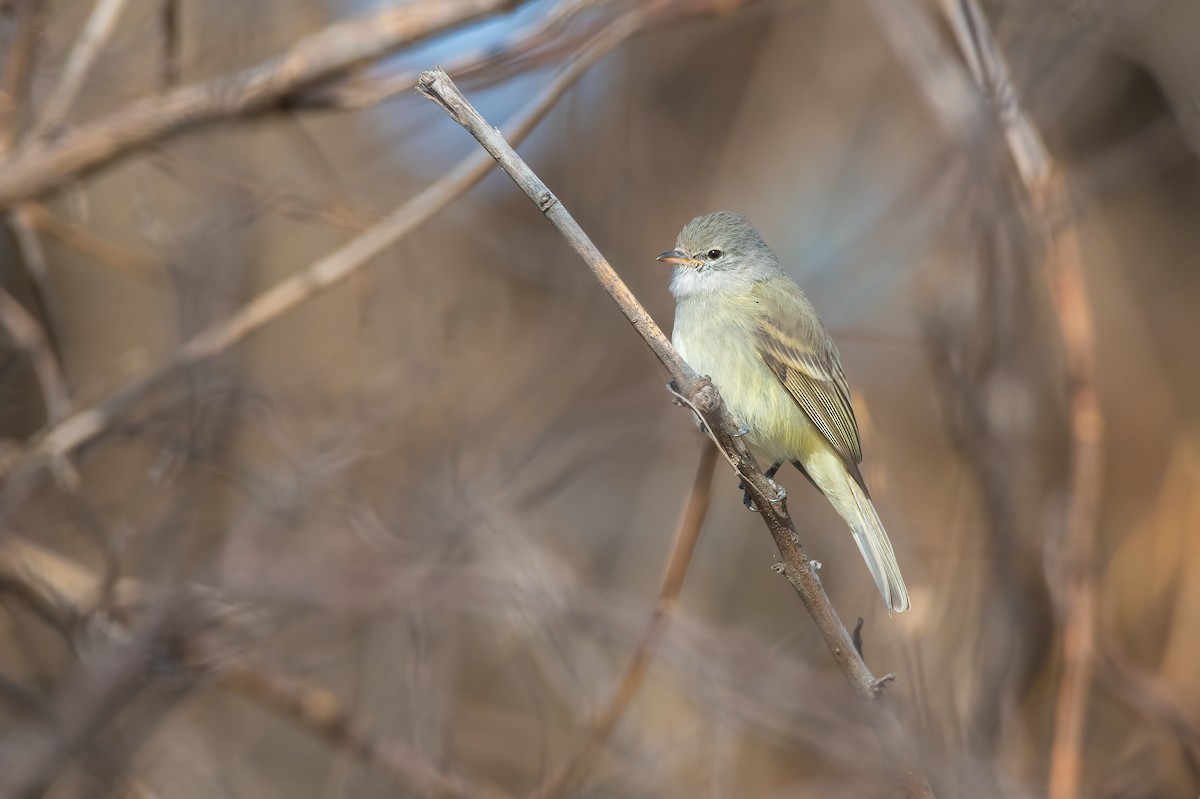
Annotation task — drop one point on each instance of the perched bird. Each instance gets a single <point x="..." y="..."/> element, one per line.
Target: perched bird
<point x="743" y="322"/>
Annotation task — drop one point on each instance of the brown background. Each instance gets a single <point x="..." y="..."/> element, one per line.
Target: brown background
<point x="445" y="489"/>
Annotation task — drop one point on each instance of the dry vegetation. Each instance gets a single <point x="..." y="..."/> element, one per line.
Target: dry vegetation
<point x="329" y="470"/>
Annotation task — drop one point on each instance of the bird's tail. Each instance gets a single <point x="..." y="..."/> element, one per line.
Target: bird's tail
<point x="873" y="542"/>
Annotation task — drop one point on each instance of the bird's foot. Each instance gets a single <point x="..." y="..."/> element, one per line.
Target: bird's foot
<point x="780" y="491"/>
<point x="746" y="500"/>
<point x="742" y="431"/>
<point x="780" y="495"/>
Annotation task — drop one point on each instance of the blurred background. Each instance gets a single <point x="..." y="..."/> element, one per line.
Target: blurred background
<point x="402" y="538"/>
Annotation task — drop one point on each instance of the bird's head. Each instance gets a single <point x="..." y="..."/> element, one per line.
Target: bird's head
<point x="716" y="252"/>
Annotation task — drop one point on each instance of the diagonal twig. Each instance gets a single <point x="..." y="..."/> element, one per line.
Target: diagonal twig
<point x="687" y="533"/>
<point x="363" y="91"/>
<point x="1069" y="567"/>
<point x="96" y="33"/>
<point x="1069" y="558"/>
<point x="37" y="268"/>
<point x="71" y="234"/>
<point x="31" y="337"/>
<point x="170" y="23"/>
<point x="1144" y="694"/>
<point x="700" y="394"/>
<point x="66" y="594"/>
<point x="42" y="165"/>
<point x="18" y="70"/>
<point x="83" y="426"/>
<point x="322" y="713"/>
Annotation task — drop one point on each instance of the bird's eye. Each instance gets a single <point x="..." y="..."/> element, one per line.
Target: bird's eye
<point x="714" y="254"/>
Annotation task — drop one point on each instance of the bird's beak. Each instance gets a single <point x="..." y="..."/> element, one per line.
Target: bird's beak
<point x="676" y="257"/>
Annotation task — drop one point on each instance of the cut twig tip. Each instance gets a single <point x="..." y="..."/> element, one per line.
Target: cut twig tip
<point x="425" y="84"/>
<point x="434" y="84"/>
<point x="426" y="80"/>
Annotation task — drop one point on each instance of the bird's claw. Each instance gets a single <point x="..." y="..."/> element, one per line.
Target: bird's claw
<point x="780" y="495"/>
<point x="746" y="500"/>
<point x="742" y="431"/>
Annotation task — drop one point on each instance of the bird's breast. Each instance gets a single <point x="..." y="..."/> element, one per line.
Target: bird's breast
<point x="719" y="338"/>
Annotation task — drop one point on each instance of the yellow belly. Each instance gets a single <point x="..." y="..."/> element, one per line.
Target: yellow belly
<point x="719" y="341"/>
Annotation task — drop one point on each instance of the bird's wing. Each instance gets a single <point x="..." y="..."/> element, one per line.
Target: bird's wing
<point x="799" y="351"/>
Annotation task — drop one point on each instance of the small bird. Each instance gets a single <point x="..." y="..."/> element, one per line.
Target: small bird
<point x="743" y="322"/>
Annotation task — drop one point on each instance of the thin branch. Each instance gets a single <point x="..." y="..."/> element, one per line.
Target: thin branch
<point x="37" y="267"/>
<point x="946" y="87"/>
<point x="687" y="533"/>
<point x="1069" y="560"/>
<point x="59" y="589"/>
<point x="1076" y="549"/>
<point x="700" y="394"/>
<point x="90" y="698"/>
<point x="18" y="69"/>
<point x="123" y="259"/>
<point x="96" y="33"/>
<point x="322" y="713"/>
<point x="30" y="337"/>
<point x="80" y="428"/>
<point x="364" y="91"/>
<point x="43" y="164"/>
<point x="290" y="204"/>
<point x="1144" y="694"/>
<point x="171" y="24"/>
<point x="66" y="594"/>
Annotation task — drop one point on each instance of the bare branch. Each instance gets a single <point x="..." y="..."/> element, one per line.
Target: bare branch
<point x="95" y="35"/>
<point x="65" y="593"/>
<point x="1145" y="695"/>
<point x="18" y="69"/>
<point x="30" y="336"/>
<point x="1069" y="560"/>
<point x="687" y="533"/>
<point x="75" y="431"/>
<point x="362" y="91"/>
<point x="45" y="164"/>
<point x="37" y="267"/>
<point x="128" y="261"/>
<point x="320" y="711"/>
<point x="290" y="204"/>
<point x="700" y="394"/>
<point x="171" y="23"/>
<point x="58" y="588"/>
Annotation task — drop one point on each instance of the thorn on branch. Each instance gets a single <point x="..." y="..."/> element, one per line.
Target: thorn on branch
<point x="877" y="685"/>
